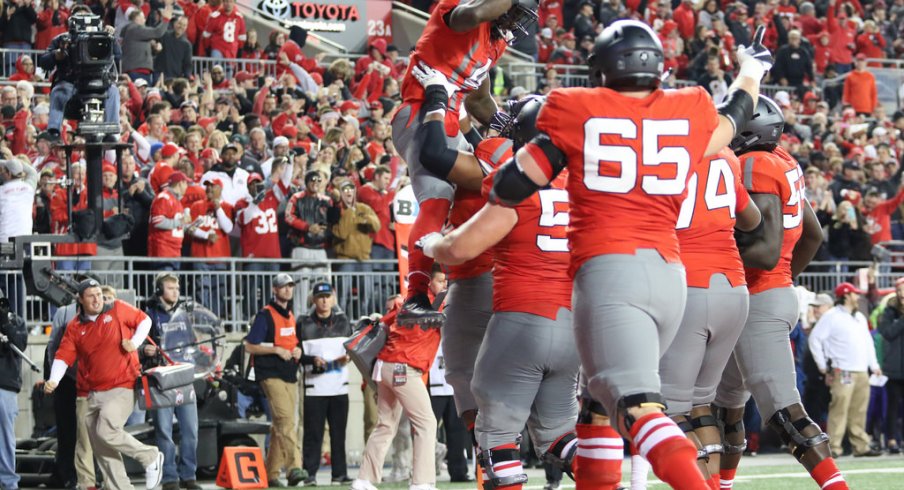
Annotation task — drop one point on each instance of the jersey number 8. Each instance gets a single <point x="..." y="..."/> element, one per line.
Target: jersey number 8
<point x="625" y="156"/>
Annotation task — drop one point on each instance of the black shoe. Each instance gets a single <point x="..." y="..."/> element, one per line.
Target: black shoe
<point x="894" y="449"/>
<point x="295" y="476"/>
<point x="190" y="485"/>
<point x="869" y="454"/>
<point x="310" y="481"/>
<point x="341" y="480"/>
<point x="461" y="479"/>
<point x="418" y="311"/>
<point x="171" y="485"/>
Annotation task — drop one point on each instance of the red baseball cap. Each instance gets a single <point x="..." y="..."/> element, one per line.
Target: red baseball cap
<point x="108" y="168"/>
<point x="213" y="182"/>
<point x="169" y="150"/>
<point x="211" y="154"/>
<point x="349" y="105"/>
<point x="844" y="288"/>
<point x="255" y="177"/>
<point x="861" y="56"/>
<point x="177" y="177"/>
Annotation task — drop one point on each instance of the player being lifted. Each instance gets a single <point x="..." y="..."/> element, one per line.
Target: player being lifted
<point x="762" y="361"/>
<point x="462" y="41"/>
<point x="630" y="148"/>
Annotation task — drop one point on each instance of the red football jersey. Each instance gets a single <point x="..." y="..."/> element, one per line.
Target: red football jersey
<point x="204" y="215"/>
<point x="629" y="161"/>
<point x="165" y="243"/>
<point x="225" y="33"/>
<point x="465" y="58"/>
<point x="260" y="228"/>
<point x="530" y="273"/>
<point x="491" y="153"/>
<point x="707" y="219"/>
<point x="776" y="173"/>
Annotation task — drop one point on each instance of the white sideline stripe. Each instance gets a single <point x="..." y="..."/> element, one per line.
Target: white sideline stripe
<point x="759" y="477"/>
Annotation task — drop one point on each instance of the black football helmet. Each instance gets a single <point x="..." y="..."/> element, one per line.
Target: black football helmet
<point x="512" y="25"/>
<point x="627" y="55"/>
<point x="763" y="130"/>
<point x="524" y="121"/>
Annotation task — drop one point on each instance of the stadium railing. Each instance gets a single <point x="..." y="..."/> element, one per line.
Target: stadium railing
<point x="236" y="293"/>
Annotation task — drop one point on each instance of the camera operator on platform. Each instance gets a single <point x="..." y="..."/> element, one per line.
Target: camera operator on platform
<point x="66" y="73"/>
<point x="12" y="332"/>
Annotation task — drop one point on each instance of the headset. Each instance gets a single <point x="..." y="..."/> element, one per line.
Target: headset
<point x="160" y="279"/>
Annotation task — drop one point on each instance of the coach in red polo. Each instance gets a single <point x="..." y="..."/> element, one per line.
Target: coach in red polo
<point x="103" y="339"/>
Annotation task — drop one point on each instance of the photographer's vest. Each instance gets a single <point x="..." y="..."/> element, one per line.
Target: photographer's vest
<point x="281" y="333"/>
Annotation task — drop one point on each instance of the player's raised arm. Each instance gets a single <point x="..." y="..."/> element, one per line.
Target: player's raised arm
<point x="809" y="242"/>
<point x="469" y="15"/>
<point x="739" y="105"/>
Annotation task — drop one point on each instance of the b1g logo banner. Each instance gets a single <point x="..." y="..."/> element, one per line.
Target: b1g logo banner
<point x="354" y="24"/>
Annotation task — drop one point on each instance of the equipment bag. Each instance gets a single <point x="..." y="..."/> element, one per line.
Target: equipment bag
<point x="365" y="345"/>
<point x="166" y="386"/>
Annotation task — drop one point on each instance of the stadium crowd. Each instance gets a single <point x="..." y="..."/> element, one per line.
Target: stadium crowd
<point x="299" y="161"/>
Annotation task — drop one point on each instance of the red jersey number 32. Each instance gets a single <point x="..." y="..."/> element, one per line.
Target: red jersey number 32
<point x="625" y="179"/>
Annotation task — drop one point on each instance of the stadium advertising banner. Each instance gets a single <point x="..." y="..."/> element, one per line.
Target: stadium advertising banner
<point x="350" y="23"/>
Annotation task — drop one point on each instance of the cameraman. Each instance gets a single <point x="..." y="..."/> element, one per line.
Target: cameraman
<point x="18" y="186"/>
<point x="65" y="75"/>
<point x="12" y="330"/>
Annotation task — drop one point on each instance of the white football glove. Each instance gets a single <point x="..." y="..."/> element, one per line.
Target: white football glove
<point x="426" y="76"/>
<point x="756" y="59"/>
<point x="428" y="242"/>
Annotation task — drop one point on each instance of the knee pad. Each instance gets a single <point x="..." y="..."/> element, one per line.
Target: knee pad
<point x="561" y="453"/>
<point x="707" y="421"/>
<point x="589" y="408"/>
<point x="730" y="429"/>
<point x="791" y="432"/>
<point x="688" y="428"/>
<point x="490" y="457"/>
<point x="641" y="400"/>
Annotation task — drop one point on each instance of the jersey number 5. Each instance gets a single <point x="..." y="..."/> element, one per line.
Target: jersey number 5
<point x="718" y="174"/>
<point x="796" y="183"/>
<point x="550" y="218"/>
<point x="595" y="154"/>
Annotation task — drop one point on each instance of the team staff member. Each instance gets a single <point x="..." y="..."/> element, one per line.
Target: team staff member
<point x="103" y="338"/>
<point x="762" y="361"/>
<point x="399" y="371"/>
<point x="273" y="341"/>
<point x="617" y="139"/>
<point x="842" y="336"/>
<point x="12" y="327"/>
<point x="323" y="332"/>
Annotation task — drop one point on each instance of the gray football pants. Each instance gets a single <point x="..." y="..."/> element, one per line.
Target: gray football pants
<point x="409" y="139"/>
<point x="692" y="366"/>
<point x="469" y="306"/>
<point x="627" y="309"/>
<point x="526" y="373"/>
<point x="762" y="361"/>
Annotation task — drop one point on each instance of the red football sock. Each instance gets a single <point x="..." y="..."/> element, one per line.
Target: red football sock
<point x="430" y="218"/>
<point x="505" y="468"/>
<point x="672" y="455"/>
<point x="828" y="476"/>
<point x="726" y="478"/>
<point x="714" y="482"/>
<point x="598" y="460"/>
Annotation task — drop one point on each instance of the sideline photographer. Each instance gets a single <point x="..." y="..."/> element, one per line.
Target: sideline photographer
<point x="60" y="58"/>
<point x="12" y="333"/>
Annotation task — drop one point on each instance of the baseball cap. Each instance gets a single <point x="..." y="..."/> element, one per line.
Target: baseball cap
<point x="140" y="82"/>
<point x="189" y="103"/>
<point x="283" y="279"/>
<point x="517" y="91"/>
<point x="87" y="284"/>
<point x="280" y="140"/>
<point x="255" y="177"/>
<point x="177" y="177"/>
<point x="210" y="153"/>
<point x="12" y="166"/>
<point x="230" y="146"/>
<point x="376" y="105"/>
<point x="213" y="182"/>
<point x="109" y="168"/>
<point x="844" y="288"/>
<point x="346" y="183"/>
<point x="821" y="299"/>
<point x="169" y="150"/>
<point x="546" y="33"/>
<point x="861" y="56"/>
<point x="348" y="105"/>
<point x="311" y="175"/>
<point x="322" y="288"/>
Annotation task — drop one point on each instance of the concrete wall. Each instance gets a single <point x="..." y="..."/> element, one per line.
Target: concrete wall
<point x="37" y="345"/>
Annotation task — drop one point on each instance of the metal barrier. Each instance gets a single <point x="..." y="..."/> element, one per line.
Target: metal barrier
<point x="235" y="289"/>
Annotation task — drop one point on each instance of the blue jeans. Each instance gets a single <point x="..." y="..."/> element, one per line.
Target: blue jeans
<point x="212" y="292"/>
<point x="9" y="408"/>
<point x="843" y="68"/>
<point x="188" y="441"/>
<point x="63" y="91"/>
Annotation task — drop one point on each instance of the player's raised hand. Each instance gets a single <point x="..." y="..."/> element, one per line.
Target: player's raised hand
<point x="427" y="76"/>
<point x="756" y="59"/>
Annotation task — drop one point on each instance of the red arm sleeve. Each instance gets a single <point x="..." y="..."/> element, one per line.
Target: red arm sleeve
<point x="259" y="100"/>
<point x="293" y="220"/>
<point x="889" y="205"/>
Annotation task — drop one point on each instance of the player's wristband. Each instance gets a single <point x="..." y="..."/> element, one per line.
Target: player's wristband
<point x="435" y="98"/>
<point x="738" y="108"/>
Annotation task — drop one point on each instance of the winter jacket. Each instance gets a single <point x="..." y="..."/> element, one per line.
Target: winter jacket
<point x="354" y="233"/>
<point x="891" y="327"/>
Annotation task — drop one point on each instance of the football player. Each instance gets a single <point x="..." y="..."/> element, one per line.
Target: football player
<point x="630" y="147"/>
<point x="717" y="298"/>
<point x="462" y="41"/>
<point x="762" y="361"/>
<point x="526" y="369"/>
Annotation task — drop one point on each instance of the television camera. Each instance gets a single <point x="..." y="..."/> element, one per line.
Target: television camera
<point x="89" y="47"/>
